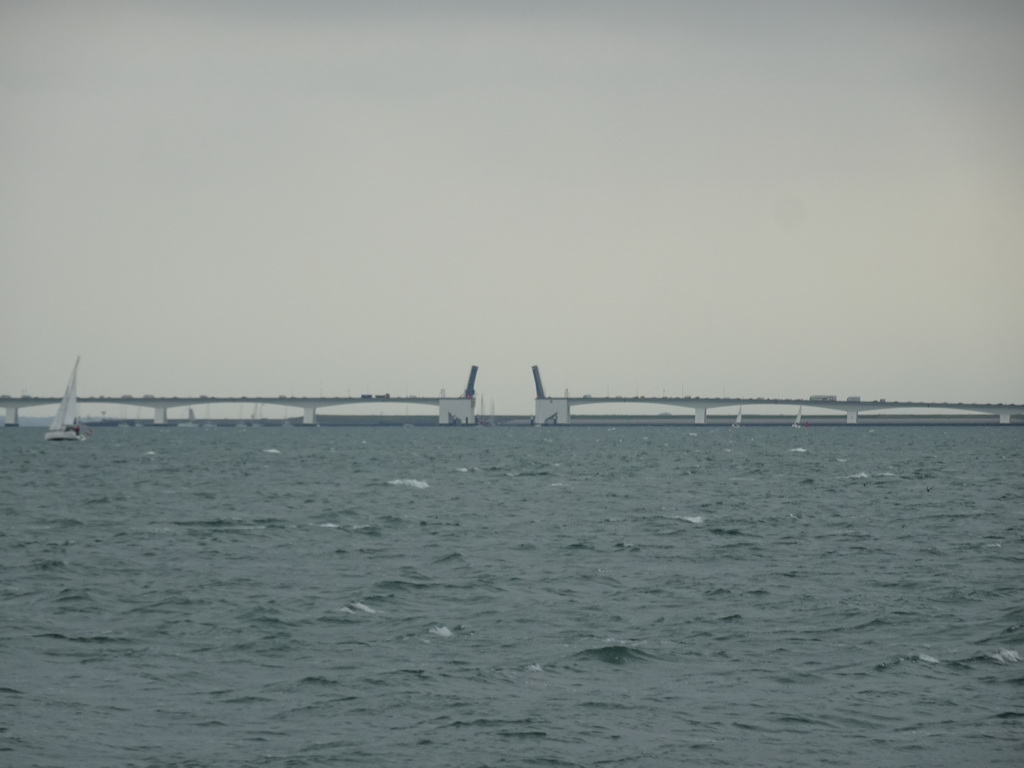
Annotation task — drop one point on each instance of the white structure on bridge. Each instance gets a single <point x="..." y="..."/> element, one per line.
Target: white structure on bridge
<point x="549" y="411"/>
<point x="458" y="411"/>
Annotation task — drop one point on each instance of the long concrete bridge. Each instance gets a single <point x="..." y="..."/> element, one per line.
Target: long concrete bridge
<point x="552" y="411"/>
<point x="548" y="411"/>
<point x="453" y="411"/>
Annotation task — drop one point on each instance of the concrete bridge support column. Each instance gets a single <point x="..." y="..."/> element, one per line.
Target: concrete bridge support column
<point x="1004" y="418"/>
<point x="160" y="415"/>
<point x="456" y="411"/>
<point x="851" y="417"/>
<point x="700" y="415"/>
<point x="10" y="416"/>
<point x="551" y="411"/>
<point x="309" y="416"/>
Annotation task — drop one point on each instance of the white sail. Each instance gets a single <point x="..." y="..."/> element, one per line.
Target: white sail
<point x="739" y="417"/>
<point x="63" y="426"/>
<point x="799" y="411"/>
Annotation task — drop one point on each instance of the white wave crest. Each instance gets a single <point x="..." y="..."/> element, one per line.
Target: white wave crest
<point x="927" y="658"/>
<point x="858" y="476"/>
<point x="1006" y="656"/>
<point x="695" y="519"/>
<point x="410" y="483"/>
<point x="462" y="469"/>
<point x="271" y="450"/>
<point x="534" y="668"/>
<point x="364" y="608"/>
<point x="798" y="450"/>
<point x="441" y="631"/>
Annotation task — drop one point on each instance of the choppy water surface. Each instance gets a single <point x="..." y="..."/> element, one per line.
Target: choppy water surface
<point x="492" y="597"/>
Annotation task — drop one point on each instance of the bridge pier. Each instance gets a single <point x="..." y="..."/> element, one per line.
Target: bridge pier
<point x="309" y="416"/>
<point x="10" y="416"/>
<point x="551" y="410"/>
<point x="159" y="415"/>
<point x="456" y="411"/>
<point x="851" y="417"/>
<point x="459" y="411"/>
<point x="700" y="415"/>
<point x="1004" y="417"/>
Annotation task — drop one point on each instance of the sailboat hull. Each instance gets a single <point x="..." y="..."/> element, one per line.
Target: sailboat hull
<point x="63" y="435"/>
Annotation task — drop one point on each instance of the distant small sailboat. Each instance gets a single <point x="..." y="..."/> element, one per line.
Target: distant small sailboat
<point x="796" y="422"/>
<point x="739" y="417"/>
<point x="65" y="424"/>
<point x="191" y="420"/>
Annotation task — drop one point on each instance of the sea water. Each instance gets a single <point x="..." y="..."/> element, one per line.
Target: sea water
<point x="513" y="597"/>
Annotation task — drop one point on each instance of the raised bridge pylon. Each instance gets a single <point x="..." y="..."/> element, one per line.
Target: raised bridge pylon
<point x="459" y="411"/>
<point x="548" y="411"/>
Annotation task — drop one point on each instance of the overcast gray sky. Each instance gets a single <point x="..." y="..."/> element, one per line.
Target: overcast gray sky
<point x="743" y="198"/>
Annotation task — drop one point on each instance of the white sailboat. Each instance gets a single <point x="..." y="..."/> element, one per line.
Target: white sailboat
<point x="739" y="417"/>
<point x="796" y="421"/>
<point x="65" y="424"/>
